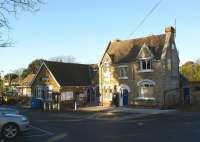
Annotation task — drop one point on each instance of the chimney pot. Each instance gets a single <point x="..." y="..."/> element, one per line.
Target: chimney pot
<point x="169" y="30"/>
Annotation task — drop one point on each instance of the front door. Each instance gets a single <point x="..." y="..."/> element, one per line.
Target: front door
<point x="125" y="97"/>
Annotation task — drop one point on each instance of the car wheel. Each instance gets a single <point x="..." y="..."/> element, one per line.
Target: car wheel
<point x="10" y="131"/>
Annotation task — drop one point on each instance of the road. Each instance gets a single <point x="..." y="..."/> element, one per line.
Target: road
<point x="75" y="127"/>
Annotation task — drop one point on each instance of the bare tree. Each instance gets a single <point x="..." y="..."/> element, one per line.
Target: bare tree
<point x="198" y="61"/>
<point x="11" y="8"/>
<point x="65" y="59"/>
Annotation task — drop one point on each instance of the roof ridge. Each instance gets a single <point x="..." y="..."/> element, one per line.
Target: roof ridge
<point x="127" y="50"/>
<point x="48" y="61"/>
<point x="139" y="38"/>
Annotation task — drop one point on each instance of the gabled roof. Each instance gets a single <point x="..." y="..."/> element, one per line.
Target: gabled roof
<point x="145" y="52"/>
<point x="122" y="51"/>
<point x="70" y="74"/>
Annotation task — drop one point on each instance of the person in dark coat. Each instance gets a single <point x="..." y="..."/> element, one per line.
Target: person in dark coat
<point x="115" y="97"/>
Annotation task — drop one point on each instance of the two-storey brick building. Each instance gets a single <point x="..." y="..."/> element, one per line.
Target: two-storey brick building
<point x="142" y="71"/>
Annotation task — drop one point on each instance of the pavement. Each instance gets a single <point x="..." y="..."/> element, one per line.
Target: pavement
<point x="100" y="113"/>
<point x="122" y="113"/>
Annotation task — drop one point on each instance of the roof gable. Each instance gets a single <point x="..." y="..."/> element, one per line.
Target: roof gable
<point x="145" y="52"/>
<point x="40" y="70"/>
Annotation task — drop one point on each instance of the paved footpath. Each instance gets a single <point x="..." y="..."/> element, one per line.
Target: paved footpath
<point x="121" y="113"/>
<point x="96" y="113"/>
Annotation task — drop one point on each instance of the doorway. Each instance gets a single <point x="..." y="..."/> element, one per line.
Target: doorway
<point x="125" y="97"/>
<point x="186" y="95"/>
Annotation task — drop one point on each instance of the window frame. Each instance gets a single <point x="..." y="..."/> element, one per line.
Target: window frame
<point x="48" y="93"/>
<point x="142" y="86"/>
<point x="123" y="71"/>
<point x="147" y="62"/>
<point x="38" y="92"/>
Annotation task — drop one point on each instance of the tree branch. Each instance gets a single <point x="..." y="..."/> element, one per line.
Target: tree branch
<point x="11" y="7"/>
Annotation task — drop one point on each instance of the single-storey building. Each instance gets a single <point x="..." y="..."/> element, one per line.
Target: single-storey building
<point x="58" y="82"/>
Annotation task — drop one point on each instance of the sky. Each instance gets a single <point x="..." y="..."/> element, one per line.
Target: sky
<point x="83" y="28"/>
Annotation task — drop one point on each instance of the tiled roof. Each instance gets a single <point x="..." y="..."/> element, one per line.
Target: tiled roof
<point x="122" y="51"/>
<point x="27" y="80"/>
<point x="70" y="74"/>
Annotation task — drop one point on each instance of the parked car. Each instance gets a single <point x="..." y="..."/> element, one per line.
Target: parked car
<point x="11" y="125"/>
<point x="6" y="110"/>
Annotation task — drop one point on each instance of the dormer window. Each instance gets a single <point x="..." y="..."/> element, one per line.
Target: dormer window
<point x="145" y="57"/>
<point x="146" y="65"/>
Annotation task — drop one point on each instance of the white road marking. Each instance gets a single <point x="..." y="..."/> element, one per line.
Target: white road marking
<point x="44" y="133"/>
<point x="42" y="130"/>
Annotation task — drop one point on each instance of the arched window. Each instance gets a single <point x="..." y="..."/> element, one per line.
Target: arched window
<point x="146" y="90"/>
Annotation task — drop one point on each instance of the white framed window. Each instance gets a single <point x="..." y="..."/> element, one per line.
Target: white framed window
<point x="67" y="96"/>
<point x="39" y="92"/>
<point x="146" y="65"/>
<point x="123" y="72"/>
<point x="146" y="90"/>
<point x="106" y="67"/>
<point x="48" y="93"/>
<point x="106" y="70"/>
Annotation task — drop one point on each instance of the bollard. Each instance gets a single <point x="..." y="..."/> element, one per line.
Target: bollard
<point x="58" y="106"/>
<point x="75" y="105"/>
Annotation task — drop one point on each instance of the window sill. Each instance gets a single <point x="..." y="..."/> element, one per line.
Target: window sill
<point x="145" y="98"/>
<point x="149" y="70"/>
<point x="123" y="77"/>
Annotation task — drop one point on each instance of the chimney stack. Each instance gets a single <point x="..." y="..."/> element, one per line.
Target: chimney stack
<point x="170" y="34"/>
<point x="170" y="30"/>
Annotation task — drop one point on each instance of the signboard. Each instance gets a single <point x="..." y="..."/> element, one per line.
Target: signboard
<point x="44" y="78"/>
